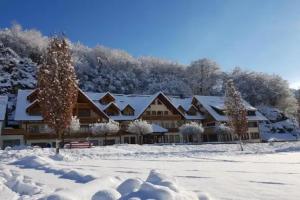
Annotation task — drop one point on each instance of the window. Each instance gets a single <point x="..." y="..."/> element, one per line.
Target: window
<point x="159" y="112"/>
<point x="148" y="113"/>
<point x="11" y="143"/>
<point x="255" y="135"/>
<point x="41" y="144"/>
<point x="210" y="124"/>
<point x="84" y="128"/>
<point x="177" y="139"/>
<point x="110" y="142"/>
<point x="126" y="140"/>
<point x="173" y="125"/>
<point x="192" y="111"/>
<point x="252" y="124"/>
<point x="251" y="112"/>
<point x="167" y="125"/>
<point x="34" y="128"/>
<point x="166" y="112"/>
<point x="128" y="112"/>
<point x="171" y="138"/>
<point x="84" y="113"/>
<point x="132" y="140"/>
<point x="153" y="112"/>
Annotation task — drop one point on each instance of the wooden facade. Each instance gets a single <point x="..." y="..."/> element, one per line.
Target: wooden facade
<point x="160" y="111"/>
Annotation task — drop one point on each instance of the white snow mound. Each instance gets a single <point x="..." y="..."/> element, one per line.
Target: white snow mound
<point x="156" y="187"/>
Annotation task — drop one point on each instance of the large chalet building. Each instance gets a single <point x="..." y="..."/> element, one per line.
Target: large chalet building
<point x="165" y="113"/>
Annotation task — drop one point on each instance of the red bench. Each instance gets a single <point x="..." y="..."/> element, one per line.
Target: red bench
<point x="78" y="145"/>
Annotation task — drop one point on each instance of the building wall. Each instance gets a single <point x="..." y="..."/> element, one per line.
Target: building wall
<point x="12" y="139"/>
<point x="160" y="114"/>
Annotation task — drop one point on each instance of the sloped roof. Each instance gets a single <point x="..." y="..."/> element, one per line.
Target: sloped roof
<point x="22" y="105"/>
<point x="3" y="106"/>
<point x="208" y="102"/>
<point x="186" y="104"/>
<point x="139" y="103"/>
<point x="158" y="129"/>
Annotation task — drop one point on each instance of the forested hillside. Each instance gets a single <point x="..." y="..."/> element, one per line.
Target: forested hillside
<point x="104" y="69"/>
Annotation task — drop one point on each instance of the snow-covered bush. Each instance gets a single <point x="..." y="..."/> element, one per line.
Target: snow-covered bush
<point x="140" y="128"/>
<point x="193" y="129"/>
<point x="105" y="127"/>
<point x="223" y="129"/>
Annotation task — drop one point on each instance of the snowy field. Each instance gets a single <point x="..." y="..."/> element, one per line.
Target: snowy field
<point x="262" y="171"/>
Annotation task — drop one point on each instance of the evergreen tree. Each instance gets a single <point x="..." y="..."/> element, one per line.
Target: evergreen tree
<point x="236" y="111"/>
<point x="57" y="86"/>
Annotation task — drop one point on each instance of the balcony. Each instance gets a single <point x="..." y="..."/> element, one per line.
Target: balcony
<point x="162" y="117"/>
<point x="12" y="131"/>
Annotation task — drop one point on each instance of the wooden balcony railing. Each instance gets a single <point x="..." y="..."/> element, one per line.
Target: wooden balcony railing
<point x="165" y="117"/>
<point x="12" y="131"/>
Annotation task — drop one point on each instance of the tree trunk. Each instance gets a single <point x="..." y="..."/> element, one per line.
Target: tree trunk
<point x="141" y="139"/>
<point x="120" y="137"/>
<point x="241" y="144"/>
<point x="198" y="138"/>
<point x="105" y="138"/>
<point x="57" y="142"/>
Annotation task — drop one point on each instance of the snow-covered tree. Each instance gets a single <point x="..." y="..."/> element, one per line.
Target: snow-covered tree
<point x="264" y="89"/>
<point x="204" y="76"/>
<point x="26" y="43"/>
<point x="105" y="128"/>
<point x="236" y="111"/>
<point x="74" y="125"/>
<point x="223" y="129"/>
<point x="192" y="129"/>
<point x="140" y="128"/>
<point x="57" y="87"/>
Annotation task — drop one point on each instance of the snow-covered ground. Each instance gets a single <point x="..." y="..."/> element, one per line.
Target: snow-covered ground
<point x="262" y="171"/>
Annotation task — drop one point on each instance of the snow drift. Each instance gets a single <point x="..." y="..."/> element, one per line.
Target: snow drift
<point x="157" y="186"/>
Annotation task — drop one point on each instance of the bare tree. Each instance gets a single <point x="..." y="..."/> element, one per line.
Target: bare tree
<point x="236" y="111"/>
<point x="105" y="129"/>
<point x="192" y="128"/>
<point x="57" y="86"/>
<point x="140" y="128"/>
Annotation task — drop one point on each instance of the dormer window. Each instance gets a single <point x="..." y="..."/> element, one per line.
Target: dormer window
<point x="106" y="99"/>
<point x="128" y="110"/>
<point x="112" y="109"/>
<point x="34" y="109"/>
<point x="181" y="109"/>
<point x="219" y="111"/>
<point x="192" y="111"/>
<point x="33" y="95"/>
<point x="251" y="112"/>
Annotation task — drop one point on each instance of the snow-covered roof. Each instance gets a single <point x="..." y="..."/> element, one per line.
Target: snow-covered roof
<point x="22" y="105"/>
<point x="186" y="104"/>
<point x="158" y="129"/>
<point x="3" y="106"/>
<point x="211" y="102"/>
<point x="139" y="103"/>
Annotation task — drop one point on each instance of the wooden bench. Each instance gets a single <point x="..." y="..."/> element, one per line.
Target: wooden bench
<point x="78" y="145"/>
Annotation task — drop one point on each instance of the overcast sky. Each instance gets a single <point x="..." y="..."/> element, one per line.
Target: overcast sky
<point x="254" y="34"/>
